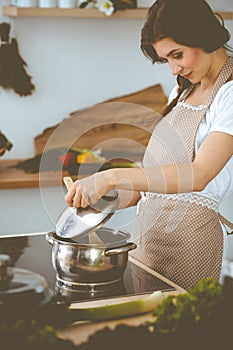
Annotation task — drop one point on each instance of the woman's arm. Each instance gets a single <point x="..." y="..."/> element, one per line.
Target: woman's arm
<point x="128" y="198"/>
<point x="213" y="154"/>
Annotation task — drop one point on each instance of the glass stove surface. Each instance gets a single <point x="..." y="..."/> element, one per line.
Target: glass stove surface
<point x="33" y="252"/>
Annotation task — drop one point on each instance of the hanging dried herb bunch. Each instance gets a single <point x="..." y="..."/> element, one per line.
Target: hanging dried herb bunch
<point x="5" y="144"/>
<point x="13" y="74"/>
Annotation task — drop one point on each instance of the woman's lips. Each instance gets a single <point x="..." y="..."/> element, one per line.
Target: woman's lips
<point x="187" y="76"/>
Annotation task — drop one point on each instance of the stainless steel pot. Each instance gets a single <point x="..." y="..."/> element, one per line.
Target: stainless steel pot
<point x="83" y="263"/>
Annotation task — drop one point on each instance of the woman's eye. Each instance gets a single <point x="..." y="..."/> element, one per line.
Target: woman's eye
<point x="177" y="56"/>
<point x="162" y="60"/>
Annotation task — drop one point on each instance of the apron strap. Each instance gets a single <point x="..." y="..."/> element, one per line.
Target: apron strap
<point x="226" y="222"/>
<point x="223" y="77"/>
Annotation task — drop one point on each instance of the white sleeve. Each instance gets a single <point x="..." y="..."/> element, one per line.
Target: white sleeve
<point x="173" y="93"/>
<point x="222" y="108"/>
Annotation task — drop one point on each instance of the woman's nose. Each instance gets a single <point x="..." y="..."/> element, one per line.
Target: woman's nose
<point x="175" y="68"/>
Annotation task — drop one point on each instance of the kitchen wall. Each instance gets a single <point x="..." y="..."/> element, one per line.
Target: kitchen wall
<point x="74" y="63"/>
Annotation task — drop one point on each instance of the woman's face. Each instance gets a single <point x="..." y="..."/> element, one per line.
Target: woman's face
<point x="191" y="63"/>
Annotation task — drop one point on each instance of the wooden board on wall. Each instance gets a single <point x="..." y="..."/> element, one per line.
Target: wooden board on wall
<point x="118" y="125"/>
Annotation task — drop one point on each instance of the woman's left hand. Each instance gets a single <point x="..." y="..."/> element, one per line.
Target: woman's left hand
<point x="88" y="190"/>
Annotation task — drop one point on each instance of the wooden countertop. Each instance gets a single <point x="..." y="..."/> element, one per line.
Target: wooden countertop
<point x="11" y="178"/>
<point x="79" y="332"/>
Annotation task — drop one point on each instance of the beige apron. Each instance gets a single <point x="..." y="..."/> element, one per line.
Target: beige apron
<point x="180" y="235"/>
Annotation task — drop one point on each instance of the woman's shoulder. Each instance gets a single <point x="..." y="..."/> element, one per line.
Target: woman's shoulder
<point x="221" y="110"/>
<point x="225" y="91"/>
<point x="224" y="98"/>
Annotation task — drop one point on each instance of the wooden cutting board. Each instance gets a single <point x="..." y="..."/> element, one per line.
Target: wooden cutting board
<point x="119" y="124"/>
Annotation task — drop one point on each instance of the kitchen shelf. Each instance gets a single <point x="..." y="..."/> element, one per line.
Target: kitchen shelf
<point x="70" y="12"/>
<point x="139" y="13"/>
<point x="12" y="178"/>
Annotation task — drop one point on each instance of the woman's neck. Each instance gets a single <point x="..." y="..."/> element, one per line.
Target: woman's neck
<point x="201" y="90"/>
<point x="219" y="57"/>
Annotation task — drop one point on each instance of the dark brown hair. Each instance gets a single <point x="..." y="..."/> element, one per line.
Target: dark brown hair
<point x="188" y="22"/>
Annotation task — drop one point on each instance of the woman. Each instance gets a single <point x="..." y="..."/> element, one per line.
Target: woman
<point x="188" y="165"/>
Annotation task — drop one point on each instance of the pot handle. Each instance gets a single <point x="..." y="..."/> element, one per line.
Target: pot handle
<point x="119" y="250"/>
<point x="49" y="238"/>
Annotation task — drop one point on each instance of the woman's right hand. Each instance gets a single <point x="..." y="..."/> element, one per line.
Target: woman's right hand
<point x="88" y="190"/>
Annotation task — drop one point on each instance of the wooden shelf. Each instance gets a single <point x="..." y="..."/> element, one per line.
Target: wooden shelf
<point x="11" y="178"/>
<point x="139" y="13"/>
<point x="70" y="12"/>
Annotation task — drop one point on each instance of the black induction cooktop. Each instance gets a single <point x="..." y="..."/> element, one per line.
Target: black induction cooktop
<point x="33" y="252"/>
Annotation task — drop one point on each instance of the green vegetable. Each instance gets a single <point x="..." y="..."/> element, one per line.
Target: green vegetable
<point x="122" y="165"/>
<point x="30" y="335"/>
<point x="123" y="309"/>
<point x="180" y="313"/>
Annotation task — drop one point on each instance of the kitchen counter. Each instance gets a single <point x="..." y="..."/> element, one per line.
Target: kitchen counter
<point x="79" y="332"/>
<point x="11" y="178"/>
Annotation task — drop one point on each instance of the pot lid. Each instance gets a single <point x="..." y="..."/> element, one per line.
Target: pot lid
<point x="76" y="222"/>
<point x="110" y="237"/>
<point x="20" y="288"/>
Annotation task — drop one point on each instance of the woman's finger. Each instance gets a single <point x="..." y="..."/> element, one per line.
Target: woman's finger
<point x="69" y="197"/>
<point x="84" y="202"/>
<point x="76" y="201"/>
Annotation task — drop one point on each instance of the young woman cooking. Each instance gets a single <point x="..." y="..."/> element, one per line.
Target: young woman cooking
<point x="188" y="165"/>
